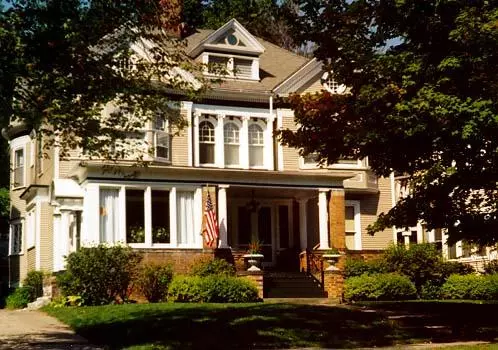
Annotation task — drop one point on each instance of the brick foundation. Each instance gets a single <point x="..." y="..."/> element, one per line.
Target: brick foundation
<point x="334" y="285"/>
<point x="256" y="277"/>
<point x="366" y="255"/>
<point x="180" y="259"/>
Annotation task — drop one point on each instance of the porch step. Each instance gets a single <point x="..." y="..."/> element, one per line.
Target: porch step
<point x="291" y="285"/>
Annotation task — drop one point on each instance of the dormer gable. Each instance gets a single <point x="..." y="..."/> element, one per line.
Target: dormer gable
<point x="231" y="50"/>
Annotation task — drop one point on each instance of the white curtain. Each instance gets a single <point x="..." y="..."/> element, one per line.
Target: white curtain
<point x="109" y="215"/>
<point x="185" y="217"/>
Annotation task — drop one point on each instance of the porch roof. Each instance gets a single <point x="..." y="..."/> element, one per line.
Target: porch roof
<point x="94" y="171"/>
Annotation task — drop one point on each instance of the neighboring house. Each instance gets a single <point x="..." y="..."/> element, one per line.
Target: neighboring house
<point x="260" y="189"/>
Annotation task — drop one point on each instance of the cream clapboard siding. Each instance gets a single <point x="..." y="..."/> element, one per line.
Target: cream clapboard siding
<point x="46" y="237"/>
<point x="314" y="87"/>
<point x="290" y="155"/>
<point x="31" y="262"/>
<point x="46" y="175"/>
<point x="370" y="207"/>
<point x="179" y="143"/>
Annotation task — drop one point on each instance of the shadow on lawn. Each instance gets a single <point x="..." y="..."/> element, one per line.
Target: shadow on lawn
<point x="283" y="325"/>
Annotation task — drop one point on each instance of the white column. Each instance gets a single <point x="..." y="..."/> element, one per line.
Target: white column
<point x="323" y="218"/>
<point x="64" y="236"/>
<point x="222" y="216"/>
<point x="198" y="217"/>
<point x="90" y="227"/>
<point x="188" y="107"/>
<point x="148" y="216"/>
<point x="459" y="249"/>
<point x="219" y="146"/>
<point x="406" y="236"/>
<point x="420" y="233"/>
<point x="445" y="247"/>
<point x="244" y="143"/>
<point x="303" y="223"/>
<point x="196" y="138"/>
<point x="122" y="217"/>
<point x="57" y="245"/>
<point x="38" y="234"/>
<point x="172" y="217"/>
<point x="268" y="149"/>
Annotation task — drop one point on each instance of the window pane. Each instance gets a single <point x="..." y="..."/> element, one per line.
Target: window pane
<point x="185" y="217"/>
<point x="160" y="217"/>
<point x="206" y="153"/>
<point x="19" y="158"/>
<point x="256" y="136"/>
<point x="162" y="145"/>
<point x="109" y="215"/>
<point x="135" y="223"/>
<point x="206" y="132"/>
<point x="350" y="227"/>
<point x="231" y="133"/>
<point x="256" y="155"/>
<point x="231" y="155"/>
<point x="242" y="68"/>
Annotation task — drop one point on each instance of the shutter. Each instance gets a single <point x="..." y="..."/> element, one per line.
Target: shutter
<point x="243" y="68"/>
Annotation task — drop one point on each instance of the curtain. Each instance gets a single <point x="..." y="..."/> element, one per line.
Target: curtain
<point x="185" y="217"/>
<point x="109" y="215"/>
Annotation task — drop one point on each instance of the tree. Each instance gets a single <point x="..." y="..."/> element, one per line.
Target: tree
<point x="63" y="61"/>
<point x="422" y="80"/>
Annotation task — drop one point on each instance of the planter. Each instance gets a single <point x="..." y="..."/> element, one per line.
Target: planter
<point x="254" y="261"/>
<point x="331" y="260"/>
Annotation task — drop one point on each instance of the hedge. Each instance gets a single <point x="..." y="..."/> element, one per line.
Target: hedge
<point x="384" y="286"/>
<point x="472" y="287"/>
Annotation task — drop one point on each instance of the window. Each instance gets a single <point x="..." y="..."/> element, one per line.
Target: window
<point x="242" y="68"/>
<point x="206" y="142"/>
<point x="219" y="65"/>
<point x="161" y="138"/>
<point x="353" y="225"/>
<point x="30" y="229"/>
<point x="232" y="67"/>
<point x="135" y="221"/>
<point x="160" y="217"/>
<point x="109" y="215"/>
<point x="185" y="218"/>
<point x="256" y="145"/>
<point x="331" y="85"/>
<point x="232" y="144"/>
<point x="16" y="238"/>
<point x="19" y="167"/>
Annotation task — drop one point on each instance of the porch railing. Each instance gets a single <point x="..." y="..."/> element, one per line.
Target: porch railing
<point x="312" y="265"/>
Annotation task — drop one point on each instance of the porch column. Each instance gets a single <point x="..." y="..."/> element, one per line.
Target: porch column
<point x="323" y="219"/>
<point x="445" y="247"/>
<point x="222" y="216"/>
<point x="337" y="218"/>
<point x="303" y="223"/>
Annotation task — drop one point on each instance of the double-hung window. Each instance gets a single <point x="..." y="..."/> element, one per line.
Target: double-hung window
<point x="16" y="238"/>
<point x="353" y="225"/>
<point x="256" y="145"/>
<point x="161" y="138"/>
<point x="19" y="167"/>
<point x="206" y="142"/>
<point x="232" y="144"/>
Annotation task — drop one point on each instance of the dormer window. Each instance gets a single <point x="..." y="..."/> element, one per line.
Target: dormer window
<point x="229" y="66"/>
<point x="331" y="85"/>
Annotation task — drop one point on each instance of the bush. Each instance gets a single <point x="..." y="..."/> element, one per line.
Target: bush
<point x="431" y="290"/>
<point x="491" y="267"/>
<point x="19" y="298"/>
<point x="210" y="267"/>
<point x="212" y="289"/>
<point x="471" y="287"/>
<point x="358" y="267"/>
<point x="387" y="286"/>
<point x="153" y="281"/>
<point x="100" y="275"/>
<point x="34" y="283"/>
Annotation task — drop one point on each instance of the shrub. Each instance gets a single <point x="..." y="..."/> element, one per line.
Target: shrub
<point x="100" y="275"/>
<point x="212" y="289"/>
<point x="358" y="267"/>
<point x="153" y="281"/>
<point x="471" y="287"/>
<point x="215" y="266"/>
<point x="34" y="283"/>
<point x="431" y="290"/>
<point x="386" y="286"/>
<point x="19" y="298"/>
<point x="491" y="267"/>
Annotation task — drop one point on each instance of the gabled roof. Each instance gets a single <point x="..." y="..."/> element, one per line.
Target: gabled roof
<point x="246" y="42"/>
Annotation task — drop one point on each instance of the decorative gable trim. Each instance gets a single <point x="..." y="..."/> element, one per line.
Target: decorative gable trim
<point x="310" y="71"/>
<point x="212" y="41"/>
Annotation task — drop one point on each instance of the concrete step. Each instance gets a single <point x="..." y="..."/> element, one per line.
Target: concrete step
<point x="39" y="303"/>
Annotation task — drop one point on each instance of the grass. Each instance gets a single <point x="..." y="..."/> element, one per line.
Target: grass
<point x="244" y="326"/>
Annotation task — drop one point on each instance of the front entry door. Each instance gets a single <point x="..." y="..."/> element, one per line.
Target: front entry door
<point x="265" y="232"/>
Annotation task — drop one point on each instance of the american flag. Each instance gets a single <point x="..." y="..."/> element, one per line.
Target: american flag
<point x="211" y="230"/>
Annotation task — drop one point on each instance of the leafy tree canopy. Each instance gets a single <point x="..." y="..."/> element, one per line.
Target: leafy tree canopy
<point x="63" y="61"/>
<point x="424" y="106"/>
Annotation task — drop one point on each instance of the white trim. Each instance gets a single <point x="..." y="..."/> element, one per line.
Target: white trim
<point x="188" y="106"/>
<point x="361" y="164"/>
<point x="173" y="234"/>
<point x="13" y="223"/>
<point x="147" y="216"/>
<point x="357" y="222"/>
<point x="280" y="148"/>
<point x="393" y="204"/>
<point x="38" y="234"/>
<point x="323" y="218"/>
<point x="222" y="216"/>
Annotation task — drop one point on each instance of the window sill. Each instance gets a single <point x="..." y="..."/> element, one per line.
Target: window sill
<point x="16" y="254"/>
<point x="19" y="188"/>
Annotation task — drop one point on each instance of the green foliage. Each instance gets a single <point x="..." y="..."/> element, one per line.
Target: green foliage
<point x="70" y="300"/>
<point x="421" y="102"/>
<point x="471" y="287"/>
<point x="153" y="281"/>
<point x="388" y="286"/>
<point x="431" y="290"/>
<point x="357" y="267"/>
<point x="212" y="289"/>
<point x="215" y="266"/>
<point x="491" y="267"/>
<point x="19" y="298"/>
<point x="100" y="275"/>
<point x="34" y="282"/>
<point x="4" y="200"/>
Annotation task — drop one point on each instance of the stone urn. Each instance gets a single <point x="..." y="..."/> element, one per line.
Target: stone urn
<point x="254" y="261"/>
<point x="331" y="259"/>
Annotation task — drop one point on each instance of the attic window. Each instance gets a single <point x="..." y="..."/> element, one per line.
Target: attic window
<point x="331" y="85"/>
<point x="231" y="39"/>
<point x="233" y="67"/>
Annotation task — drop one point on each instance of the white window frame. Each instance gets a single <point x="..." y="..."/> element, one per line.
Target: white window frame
<point x="31" y="228"/>
<point x="230" y="74"/>
<point x="357" y="222"/>
<point x="361" y="164"/>
<point x="163" y="131"/>
<point x="264" y="146"/>
<point x="211" y="119"/>
<point x="236" y="121"/>
<point x="13" y="224"/>
<point x="14" y="151"/>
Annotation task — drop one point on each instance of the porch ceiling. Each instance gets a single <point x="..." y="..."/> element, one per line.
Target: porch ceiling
<point x="273" y="193"/>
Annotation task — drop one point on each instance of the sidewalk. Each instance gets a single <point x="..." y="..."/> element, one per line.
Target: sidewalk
<point x="25" y="329"/>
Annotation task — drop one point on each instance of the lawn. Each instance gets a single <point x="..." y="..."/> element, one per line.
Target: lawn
<point x="244" y="326"/>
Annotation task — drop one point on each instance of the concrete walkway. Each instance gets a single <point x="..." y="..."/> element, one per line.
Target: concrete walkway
<point x="25" y="329"/>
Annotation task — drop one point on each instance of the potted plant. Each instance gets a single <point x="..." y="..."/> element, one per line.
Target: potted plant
<point x="254" y="255"/>
<point x="332" y="255"/>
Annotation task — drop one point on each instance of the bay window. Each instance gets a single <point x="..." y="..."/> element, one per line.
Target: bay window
<point x="16" y="238"/>
<point x="109" y="214"/>
<point x="232" y="144"/>
<point x="256" y="145"/>
<point x="160" y="216"/>
<point x="185" y="217"/>
<point x="206" y="142"/>
<point x="135" y="220"/>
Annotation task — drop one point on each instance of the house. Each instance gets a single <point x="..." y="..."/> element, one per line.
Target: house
<point x="260" y="189"/>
